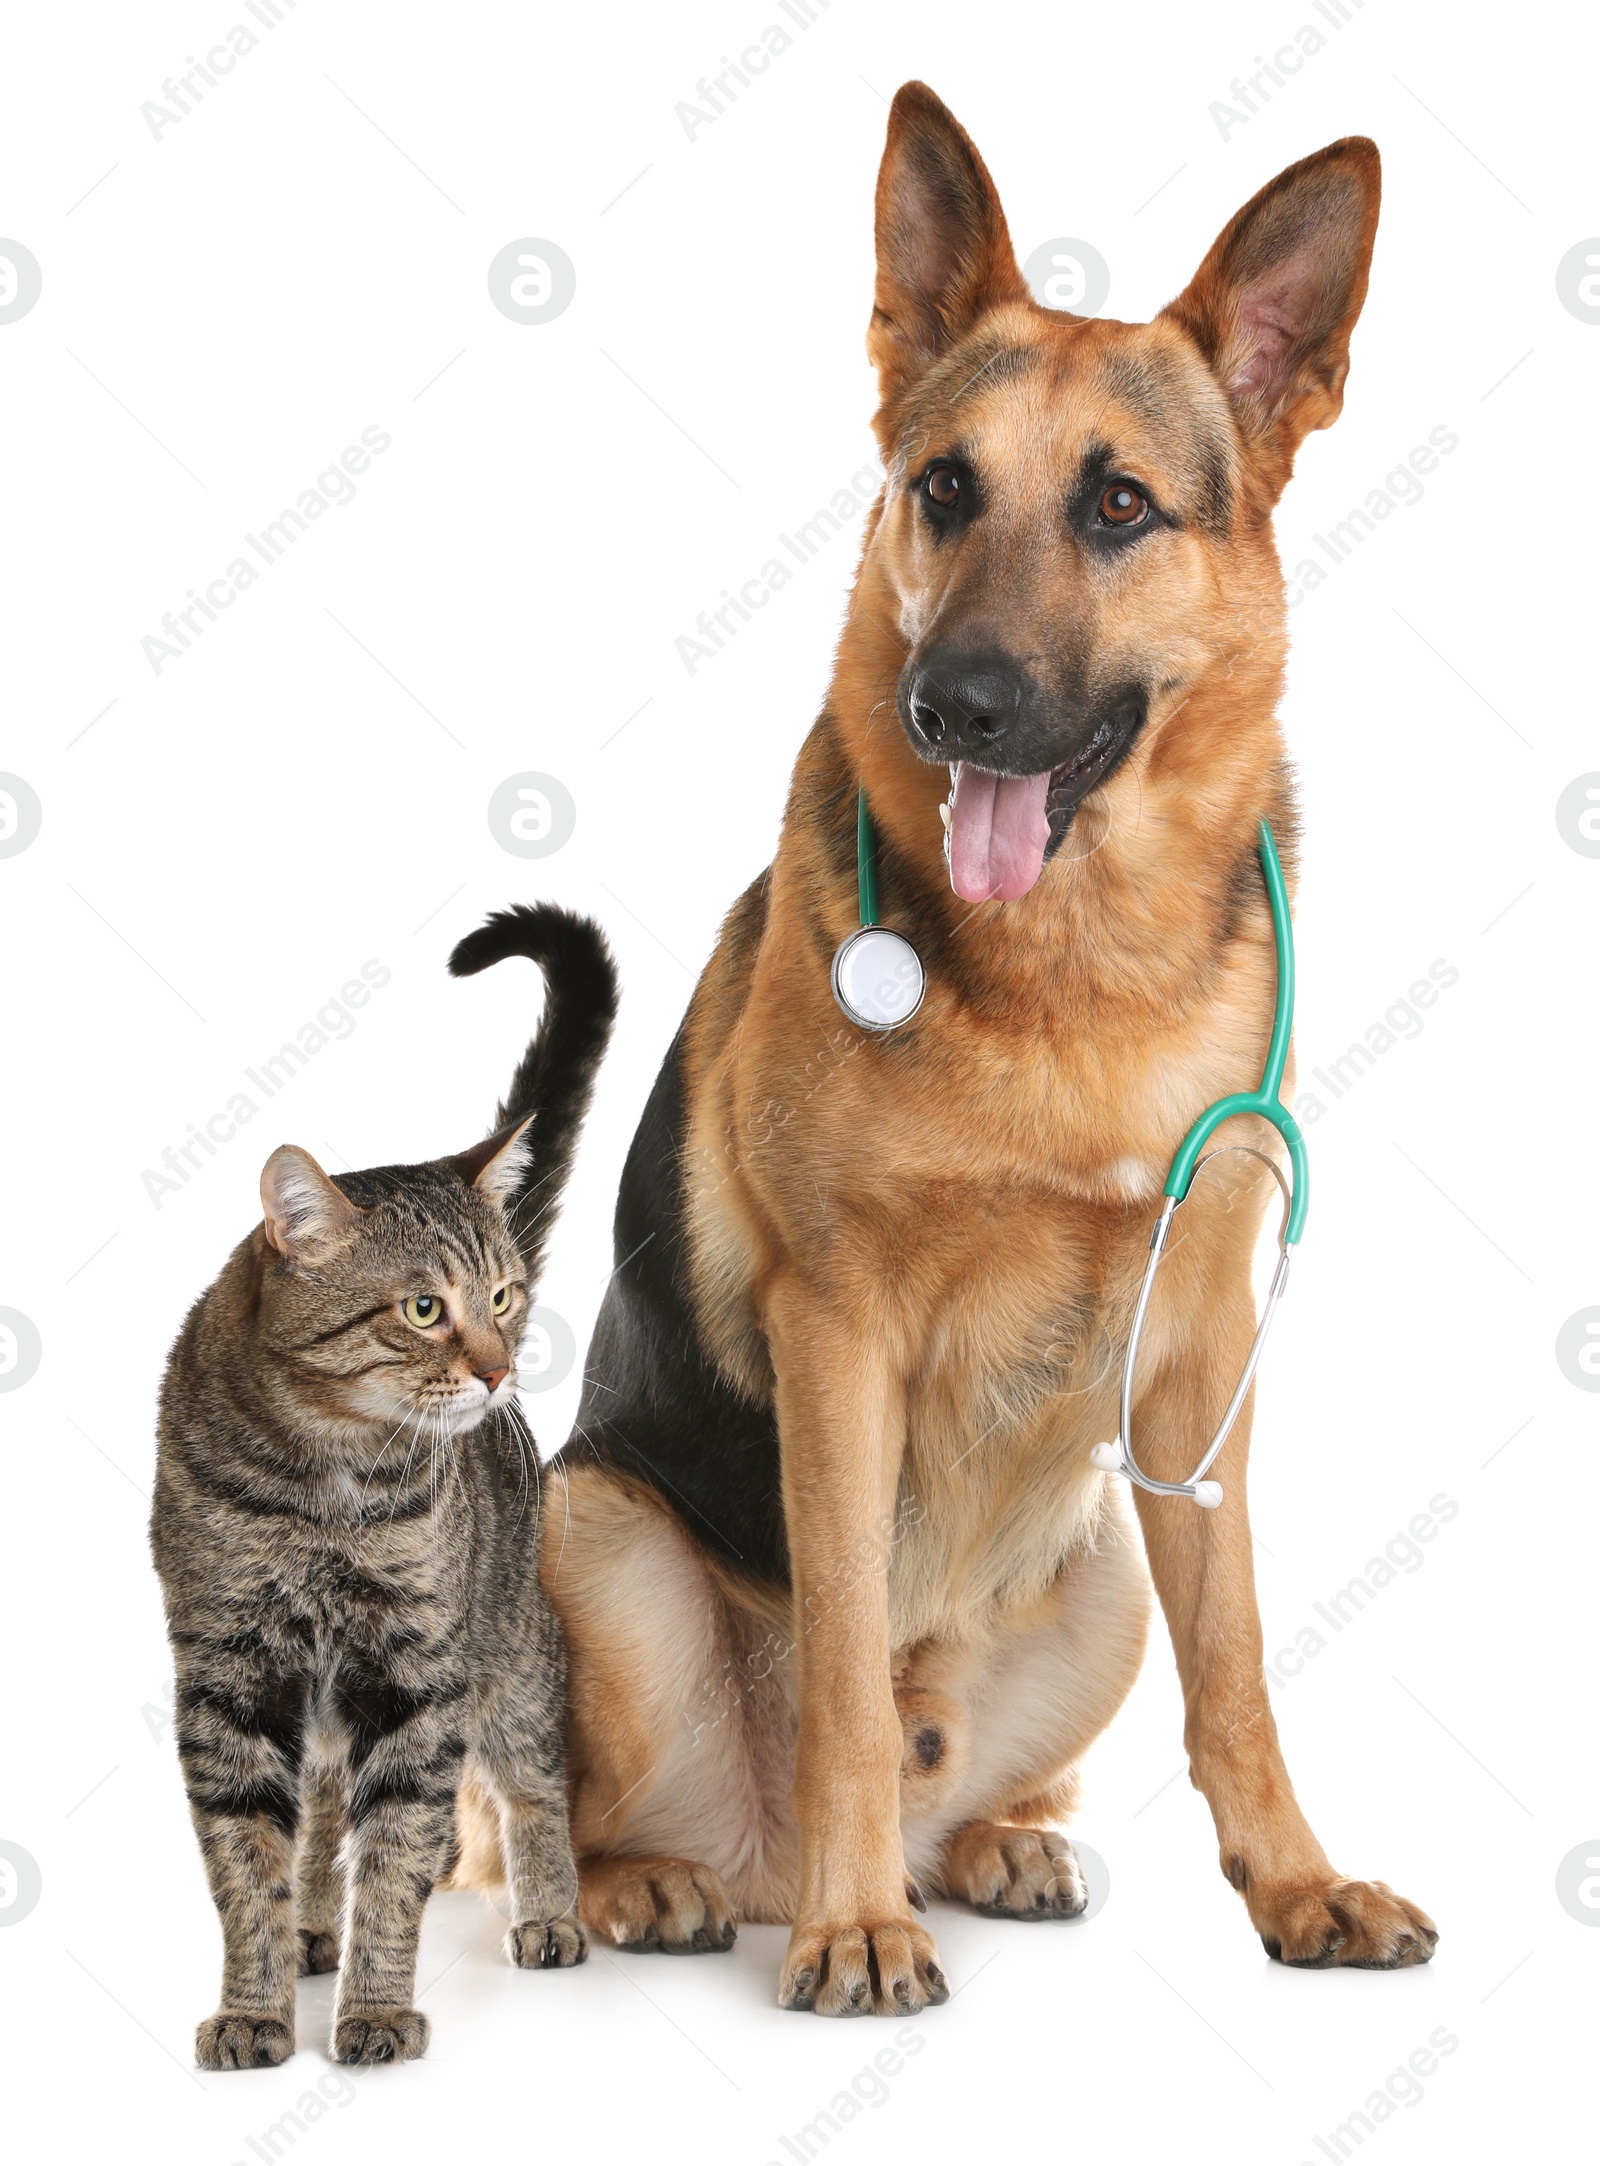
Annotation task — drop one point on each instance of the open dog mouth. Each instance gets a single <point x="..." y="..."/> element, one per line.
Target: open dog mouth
<point x="1002" y="830"/>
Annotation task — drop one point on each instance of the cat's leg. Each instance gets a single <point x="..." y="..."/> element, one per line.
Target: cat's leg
<point x="518" y="1757"/>
<point x="240" y="1728"/>
<point x="520" y="1765"/>
<point x="319" y="1882"/>
<point x="406" y="1756"/>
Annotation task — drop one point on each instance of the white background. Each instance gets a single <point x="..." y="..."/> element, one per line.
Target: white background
<point x="306" y="788"/>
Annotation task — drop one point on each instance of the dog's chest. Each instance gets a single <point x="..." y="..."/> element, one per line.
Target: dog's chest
<point x="1018" y="1379"/>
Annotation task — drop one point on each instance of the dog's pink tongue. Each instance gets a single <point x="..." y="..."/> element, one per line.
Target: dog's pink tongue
<point x="998" y="831"/>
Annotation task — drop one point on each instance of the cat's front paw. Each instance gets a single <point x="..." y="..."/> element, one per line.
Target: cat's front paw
<point x="380" y="2034"/>
<point x="233" y="2039"/>
<point x="551" y="1944"/>
<point x="318" y="1952"/>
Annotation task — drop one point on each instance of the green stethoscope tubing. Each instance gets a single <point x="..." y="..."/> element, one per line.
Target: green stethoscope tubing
<point x="1264" y="1100"/>
<point x="866" y="862"/>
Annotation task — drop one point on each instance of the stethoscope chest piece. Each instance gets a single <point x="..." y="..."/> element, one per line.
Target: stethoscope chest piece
<point x="877" y="974"/>
<point x="878" y="979"/>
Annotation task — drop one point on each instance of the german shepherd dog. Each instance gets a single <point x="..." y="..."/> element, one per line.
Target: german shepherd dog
<point x="845" y="1598"/>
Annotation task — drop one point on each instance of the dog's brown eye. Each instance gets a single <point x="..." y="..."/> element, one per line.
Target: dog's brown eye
<point x="943" y="484"/>
<point x="1122" y="506"/>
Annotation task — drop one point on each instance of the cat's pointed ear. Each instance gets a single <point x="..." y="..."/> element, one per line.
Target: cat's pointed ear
<point x="306" y="1216"/>
<point x="498" y="1166"/>
<point x="944" y="253"/>
<point x="1273" y="305"/>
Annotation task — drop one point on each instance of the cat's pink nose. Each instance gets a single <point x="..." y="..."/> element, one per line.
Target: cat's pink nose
<point x="494" y="1378"/>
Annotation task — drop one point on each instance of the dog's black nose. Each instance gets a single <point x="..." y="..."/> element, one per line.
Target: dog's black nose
<point x="961" y="703"/>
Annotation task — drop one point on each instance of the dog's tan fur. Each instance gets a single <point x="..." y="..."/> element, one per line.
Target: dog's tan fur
<point x="923" y="1251"/>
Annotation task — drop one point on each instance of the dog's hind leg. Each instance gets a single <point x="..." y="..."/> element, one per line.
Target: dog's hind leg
<point x="668" y="1903"/>
<point x="984" y="1791"/>
<point x="679" y="1728"/>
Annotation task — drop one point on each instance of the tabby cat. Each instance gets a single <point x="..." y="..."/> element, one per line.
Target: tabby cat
<point x="346" y="1531"/>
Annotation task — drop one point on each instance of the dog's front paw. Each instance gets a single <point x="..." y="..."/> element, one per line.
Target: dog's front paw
<point x="232" y="2039"/>
<point x="550" y="1944"/>
<point x="1348" y="1924"/>
<point x="380" y="2034"/>
<point x="888" y="1969"/>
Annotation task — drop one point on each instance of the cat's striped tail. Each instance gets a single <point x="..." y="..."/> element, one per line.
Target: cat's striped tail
<point x="555" y="1077"/>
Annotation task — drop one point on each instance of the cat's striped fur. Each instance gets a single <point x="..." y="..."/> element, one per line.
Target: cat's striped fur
<point x="346" y="1529"/>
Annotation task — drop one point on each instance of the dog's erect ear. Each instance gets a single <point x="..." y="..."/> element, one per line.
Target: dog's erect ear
<point x="944" y="254"/>
<point x="498" y="1166"/>
<point x="1274" y="303"/>
<point x="306" y="1217"/>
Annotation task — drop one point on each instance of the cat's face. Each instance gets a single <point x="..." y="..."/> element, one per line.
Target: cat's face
<point x="395" y="1298"/>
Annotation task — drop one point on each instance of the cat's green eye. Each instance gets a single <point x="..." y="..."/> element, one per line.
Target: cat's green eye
<point x="500" y="1299"/>
<point x="423" y="1310"/>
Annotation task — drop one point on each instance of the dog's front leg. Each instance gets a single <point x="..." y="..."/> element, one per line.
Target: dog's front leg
<point x="856" y="1947"/>
<point x="1305" y="1912"/>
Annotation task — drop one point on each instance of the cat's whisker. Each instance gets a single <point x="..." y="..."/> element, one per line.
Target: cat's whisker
<point x="382" y="1448"/>
<point x="566" y="1507"/>
<point x="436" y="1420"/>
<point x="441" y="1453"/>
<point x="452" y="1443"/>
<point x="528" y="1454"/>
<point x="502" y="1421"/>
<point x="538" y="1471"/>
<point x="405" y="1471"/>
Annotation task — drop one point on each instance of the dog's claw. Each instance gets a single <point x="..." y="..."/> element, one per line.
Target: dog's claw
<point x="1349" y="1925"/>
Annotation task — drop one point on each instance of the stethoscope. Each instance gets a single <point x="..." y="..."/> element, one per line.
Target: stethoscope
<point x="879" y="982"/>
<point x="877" y="975"/>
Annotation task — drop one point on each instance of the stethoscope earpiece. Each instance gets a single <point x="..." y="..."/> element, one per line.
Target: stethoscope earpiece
<point x="1111" y="1459"/>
